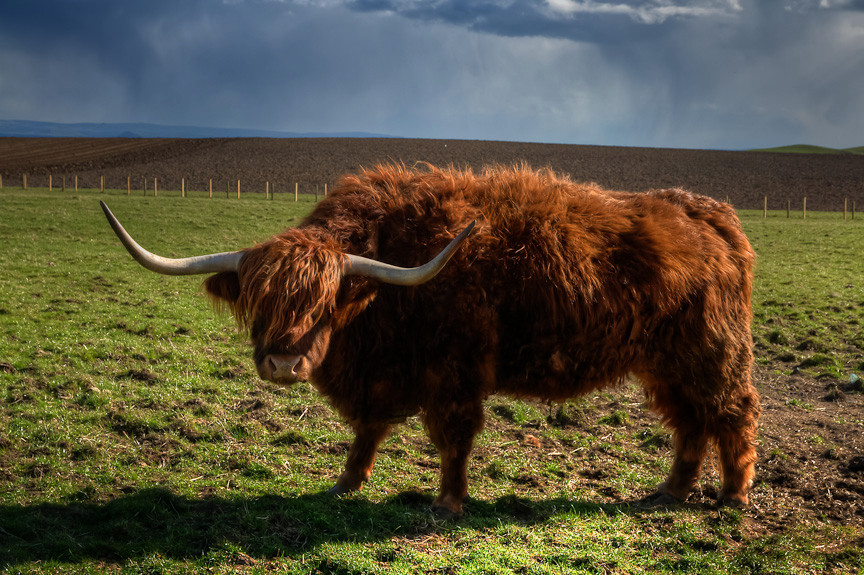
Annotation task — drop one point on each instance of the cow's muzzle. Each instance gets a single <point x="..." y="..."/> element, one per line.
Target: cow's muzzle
<point x="283" y="368"/>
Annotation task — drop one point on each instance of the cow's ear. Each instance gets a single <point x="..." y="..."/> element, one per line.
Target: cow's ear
<point x="223" y="287"/>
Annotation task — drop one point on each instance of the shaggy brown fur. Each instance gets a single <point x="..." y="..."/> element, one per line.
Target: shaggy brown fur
<point x="563" y="288"/>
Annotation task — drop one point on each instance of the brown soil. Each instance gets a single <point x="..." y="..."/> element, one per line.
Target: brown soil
<point x="811" y="465"/>
<point x="811" y="453"/>
<point x="745" y="178"/>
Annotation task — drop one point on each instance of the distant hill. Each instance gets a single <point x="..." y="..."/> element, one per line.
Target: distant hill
<point x="808" y="149"/>
<point x="27" y="129"/>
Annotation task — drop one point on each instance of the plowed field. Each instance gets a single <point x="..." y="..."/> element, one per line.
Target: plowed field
<point x="745" y="178"/>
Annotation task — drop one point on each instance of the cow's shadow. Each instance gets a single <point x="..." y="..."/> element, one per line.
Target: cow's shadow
<point x="157" y="521"/>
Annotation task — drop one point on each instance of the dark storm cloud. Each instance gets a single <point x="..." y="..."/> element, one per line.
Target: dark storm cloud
<point x="703" y="73"/>
<point x="709" y="73"/>
<point x="194" y="61"/>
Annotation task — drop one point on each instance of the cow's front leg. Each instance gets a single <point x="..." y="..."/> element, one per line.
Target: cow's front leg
<point x="452" y="430"/>
<point x="361" y="456"/>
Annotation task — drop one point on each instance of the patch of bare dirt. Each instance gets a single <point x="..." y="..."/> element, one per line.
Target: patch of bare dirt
<point x="811" y="454"/>
<point x="811" y="459"/>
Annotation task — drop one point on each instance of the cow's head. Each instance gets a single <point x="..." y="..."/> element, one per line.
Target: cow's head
<point x="290" y="293"/>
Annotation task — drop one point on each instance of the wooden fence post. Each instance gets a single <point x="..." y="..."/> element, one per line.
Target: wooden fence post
<point x="765" y="209"/>
<point x="76" y="182"/>
<point x="25" y="180"/>
<point x="805" y="207"/>
<point x="1" y="181"/>
<point x="238" y="189"/>
<point x="101" y="183"/>
<point x="325" y="190"/>
<point x="128" y="185"/>
<point x="211" y="187"/>
<point x="296" y="188"/>
<point x="267" y="191"/>
<point x="50" y="183"/>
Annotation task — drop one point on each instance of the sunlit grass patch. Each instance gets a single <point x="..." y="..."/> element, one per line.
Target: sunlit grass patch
<point x="808" y="295"/>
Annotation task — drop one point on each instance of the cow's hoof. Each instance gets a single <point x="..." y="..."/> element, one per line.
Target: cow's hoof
<point x="732" y="501"/>
<point x="339" y="490"/>
<point x="445" y="513"/>
<point x="660" y="499"/>
<point x="446" y="507"/>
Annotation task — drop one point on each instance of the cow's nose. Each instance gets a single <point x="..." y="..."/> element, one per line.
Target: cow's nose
<point x="280" y="368"/>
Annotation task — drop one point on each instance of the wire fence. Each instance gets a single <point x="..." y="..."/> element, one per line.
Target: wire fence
<point x="217" y="187"/>
<point x="155" y="186"/>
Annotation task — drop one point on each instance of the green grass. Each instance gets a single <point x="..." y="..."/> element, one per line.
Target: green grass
<point x="810" y="149"/>
<point x="809" y="296"/>
<point x="135" y="436"/>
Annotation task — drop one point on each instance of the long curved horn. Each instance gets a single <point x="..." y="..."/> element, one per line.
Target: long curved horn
<point x="360" y="266"/>
<point x="208" y="264"/>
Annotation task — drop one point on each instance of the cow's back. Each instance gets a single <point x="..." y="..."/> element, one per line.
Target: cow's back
<point x="568" y="282"/>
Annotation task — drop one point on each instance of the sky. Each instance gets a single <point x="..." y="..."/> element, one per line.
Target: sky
<point x="712" y="74"/>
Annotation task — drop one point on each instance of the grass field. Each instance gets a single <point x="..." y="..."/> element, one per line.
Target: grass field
<point x="135" y="436"/>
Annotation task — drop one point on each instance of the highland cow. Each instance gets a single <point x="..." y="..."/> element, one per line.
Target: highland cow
<point x="562" y="288"/>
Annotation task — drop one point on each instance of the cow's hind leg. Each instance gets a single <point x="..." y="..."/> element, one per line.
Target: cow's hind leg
<point x="691" y="445"/>
<point x="690" y="436"/>
<point x="452" y="430"/>
<point x="361" y="456"/>
<point x="736" y="442"/>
